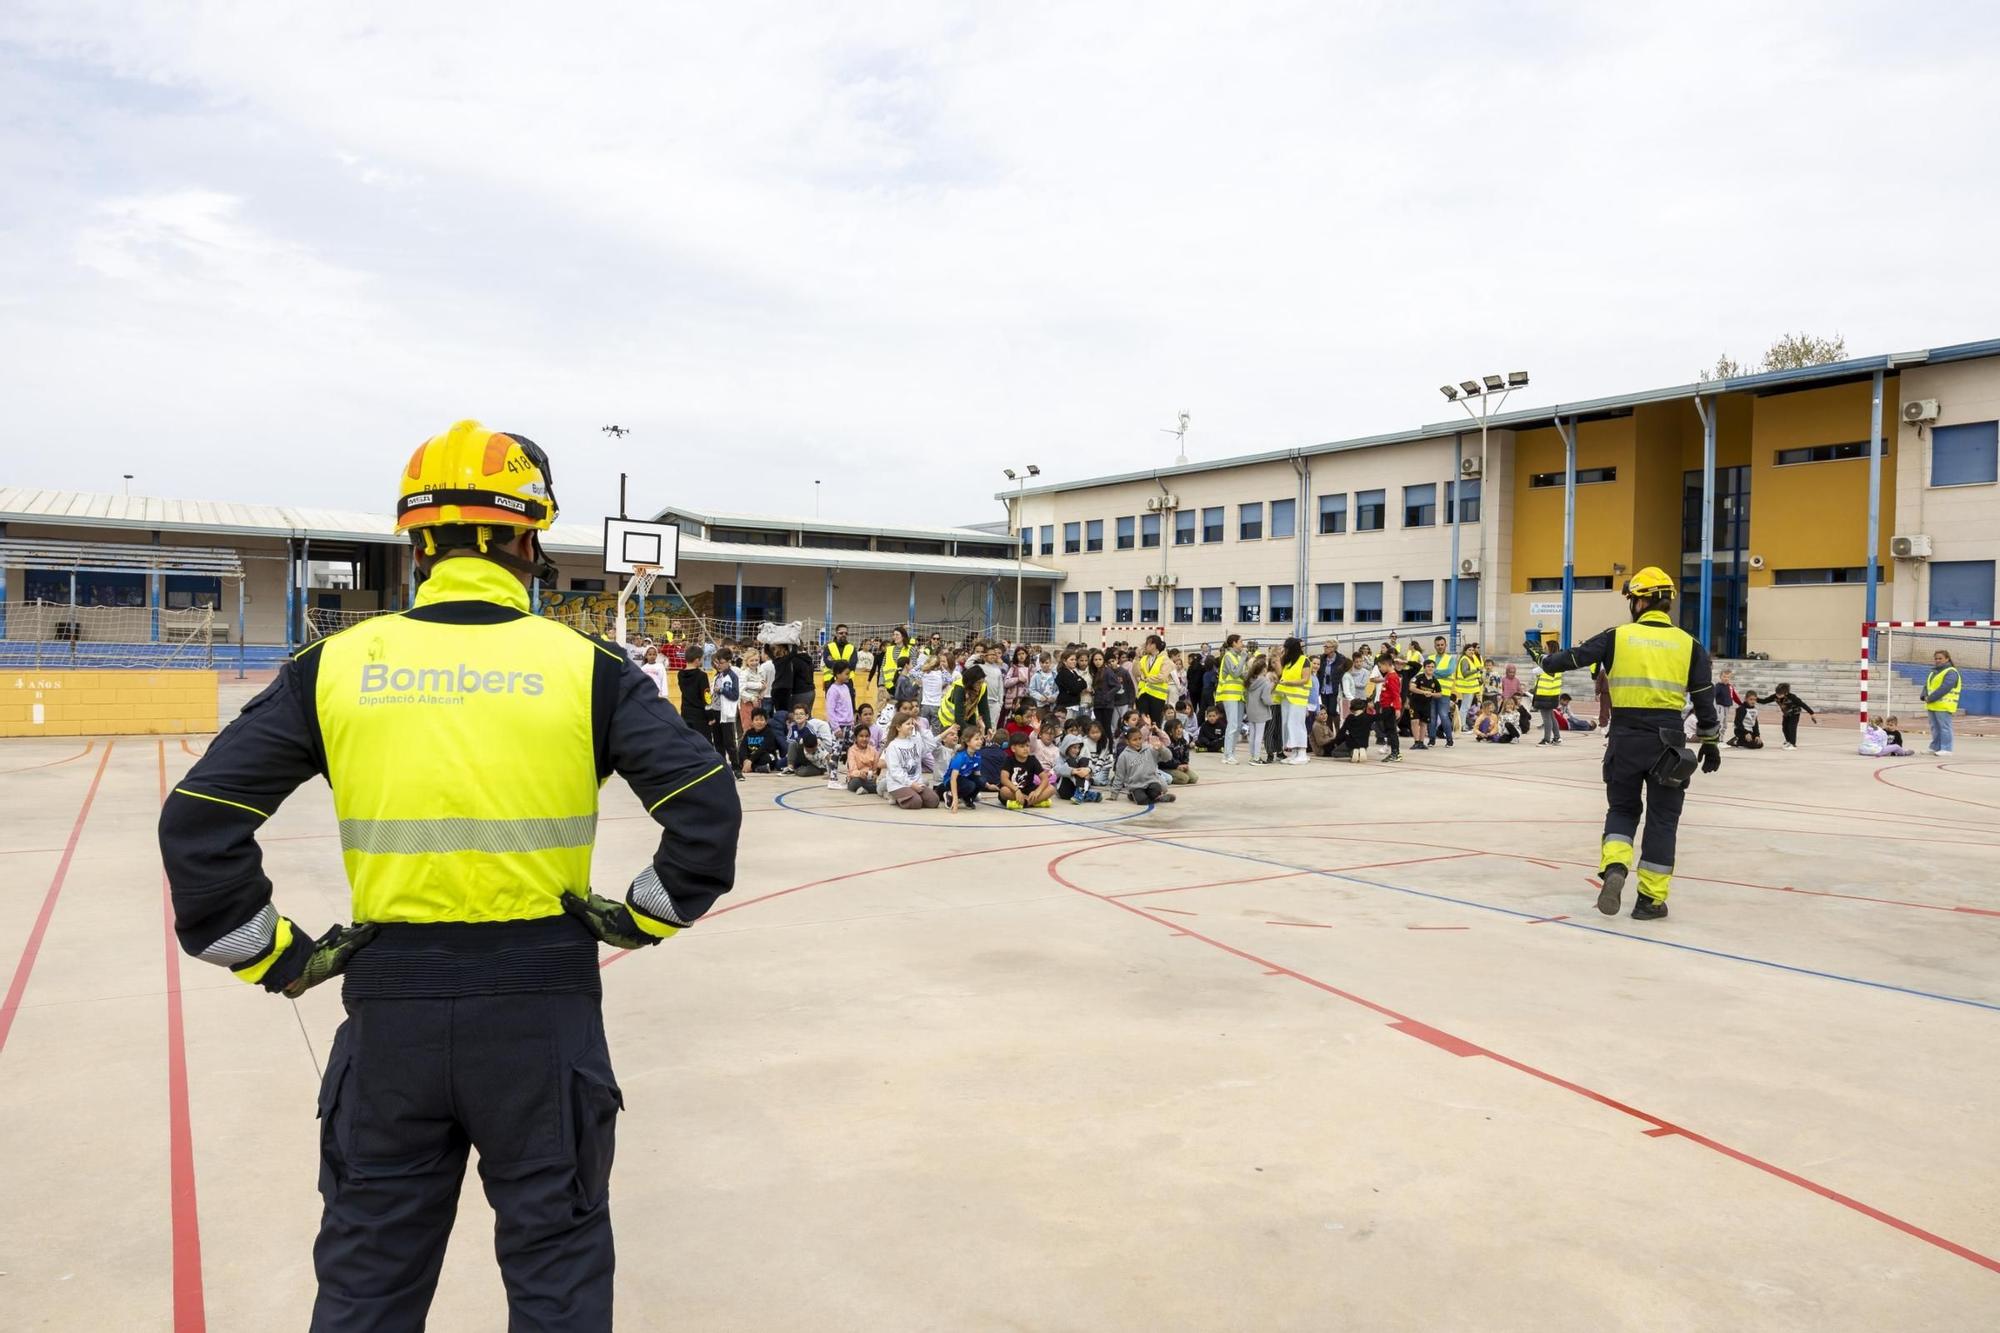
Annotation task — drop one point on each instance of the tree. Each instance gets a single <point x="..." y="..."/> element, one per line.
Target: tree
<point x="1790" y="352"/>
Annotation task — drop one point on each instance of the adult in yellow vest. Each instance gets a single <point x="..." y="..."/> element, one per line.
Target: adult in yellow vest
<point x="837" y="653"/>
<point x="464" y="741"/>
<point x="1653" y="667"/>
<point x="1548" y="692"/>
<point x="895" y="659"/>
<point x="1231" y="668"/>
<point x="1469" y="682"/>
<point x="1154" y="674"/>
<point x="1292" y="692"/>
<point x="1941" y="700"/>
<point x="1444" y="709"/>
<point x="963" y="698"/>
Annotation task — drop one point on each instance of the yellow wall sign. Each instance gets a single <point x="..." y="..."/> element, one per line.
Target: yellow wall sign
<point x="107" y="703"/>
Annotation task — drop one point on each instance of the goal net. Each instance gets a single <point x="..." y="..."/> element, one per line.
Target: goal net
<point x="58" y="635"/>
<point x="1898" y="656"/>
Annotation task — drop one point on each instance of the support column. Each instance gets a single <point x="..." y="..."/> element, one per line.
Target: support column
<point x="1457" y="515"/>
<point x="3" y="591"/>
<point x="75" y="625"/>
<point x="154" y="579"/>
<point x="1874" y="492"/>
<point x="991" y="584"/>
<point x="739" y="597"/>
<point x="305" y="587"/>
<point x="1569" y="527"/>
<point x="913" y="602"/>
<point x="291" y="591"/>
<point x="827" y="626"/>
<point x="1708" y="415"/>
<point x="242" y="652"/>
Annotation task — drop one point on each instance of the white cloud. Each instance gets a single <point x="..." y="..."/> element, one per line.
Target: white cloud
<point x="900" y="246"/>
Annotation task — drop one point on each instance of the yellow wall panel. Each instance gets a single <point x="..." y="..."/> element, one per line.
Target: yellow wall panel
<point x="107" y="703"/>
<point x="1603" y="511"/>
<point x="1812" y="515"/>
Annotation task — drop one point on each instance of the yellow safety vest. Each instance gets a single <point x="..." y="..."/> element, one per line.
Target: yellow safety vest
<point x="1229" y="679"/>
<point x="428" y="731"/>
<point x="1949" y="703"/>
<point x="955" y="706"/>
<point x="838" y="654"/>
<point x="1548" y="685"/>
<point x="892" y="663"/>
<point x="1470" y="676"/>
<point x="1154" y="674"/>
<point x="1292" y="686"/>
<point x="1650" y="659"/>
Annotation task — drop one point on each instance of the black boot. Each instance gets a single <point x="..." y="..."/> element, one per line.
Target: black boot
<point x="1613" y="880"/>
<point x="1647" y="908"/>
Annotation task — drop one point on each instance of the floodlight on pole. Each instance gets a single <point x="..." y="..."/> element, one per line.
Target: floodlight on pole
<point x="1494" y="384"/>
<point x="1471" y="387"/>
<point x="1020" y="545"/>
<point x="1517" y="379"/>
<point x="1489" y="392"/>
<point x="1034" y="471"/>
<point x="1449" y="391"/>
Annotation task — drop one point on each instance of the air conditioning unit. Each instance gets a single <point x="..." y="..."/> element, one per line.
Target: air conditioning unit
<point x="1170" y="502"/>
<point x="1468" y="568"/>
<point x="1153" y="505"/>
<point x="1468" y="468"/>
<point x="1919" y="410"/>
<point x="1911" y="546"/>
<point x="1163" y="580"/>
<point x="1756" y="562"/>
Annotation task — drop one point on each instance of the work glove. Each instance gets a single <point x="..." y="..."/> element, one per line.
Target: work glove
<point x="1711" y="756"/>
<point x="609" y="921"/>
<point x="305" y="962"/>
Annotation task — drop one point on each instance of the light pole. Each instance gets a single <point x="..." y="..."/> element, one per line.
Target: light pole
<point x="1020" y="547"/>
<point x="1465" y="394"/>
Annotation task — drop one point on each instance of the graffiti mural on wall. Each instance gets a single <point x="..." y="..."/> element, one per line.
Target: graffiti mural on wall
<point x="597" y="612"/>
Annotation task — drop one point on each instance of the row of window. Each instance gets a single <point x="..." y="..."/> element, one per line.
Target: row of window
<point x="104" y="588"/>
<point x="1273" y="605"/>
<point x="1257" y="520"/>
<point x="1967" y="454"/>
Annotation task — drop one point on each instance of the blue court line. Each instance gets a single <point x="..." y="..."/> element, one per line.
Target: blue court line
<point x="1573" y="925"/>
<point x="783" y="804"/>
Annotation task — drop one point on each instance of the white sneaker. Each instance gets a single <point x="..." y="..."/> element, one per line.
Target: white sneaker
<point x="1944" y="754"/>
<point x="1788" y="746"/>
<point x="1299" y="759"/>
<point x="1229" y="759"/>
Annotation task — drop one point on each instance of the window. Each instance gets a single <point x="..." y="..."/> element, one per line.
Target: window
<point x="1027" y="541"/>
<point x="1184" y="606"/>
<point x="1149" y="531"/>
<point x="185" y="590"/>
<point x="1332" y="514"/>
<point x="1069" y="608"/>
<point x="1048" y="539"/>
<point x="1793" y="578"/>
<point x="1249" y="605"/>
<point x="1821" y="453"/>
<point x="1332" y="606"/>
<point x="1468" y="599"/>
<point x="1211" y="524"/>
<point x="1121" y="607"/>
<point x="1585" y="476"/>
<point x="1284" y="518"/>
<point x="1468" y="491"/>
<point x="1417" y="604"/>
<point x="1093" y="535"/>
<point x="1732" y="509"/>
<point x="1211" y="605"/>
<point x="1279" y="598"/>
<point x="1420" y="505"/>
<point x="1072" y="538"/>
<point x="1370" y="514"/>
<point x="1961" y="590"/>
<point x="93" y="588"/>
<point x="1368" y="602"/>
<point x="1125" y="534"/>
<point x="1250" y="522"/>
<point x="1093" y="608"/>
<point x="1184" y="527"/>
<point x="725" y="594"/>
<point x="1964" y="455"/>
<point x="758" y="603"/>
<point x="1584" y="583"/>
<point x="1149" y="606"/>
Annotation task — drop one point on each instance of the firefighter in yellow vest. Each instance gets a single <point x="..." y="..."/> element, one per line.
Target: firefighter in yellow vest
<point x="837" y="653"/>
<point x="1230" y="670"/>
<point x="1154" y="671"/>
<point x="464" y="741"/>
<point x="1654" y="667"/>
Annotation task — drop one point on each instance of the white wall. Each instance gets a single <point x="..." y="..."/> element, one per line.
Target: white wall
<point x="1963" y="522"/>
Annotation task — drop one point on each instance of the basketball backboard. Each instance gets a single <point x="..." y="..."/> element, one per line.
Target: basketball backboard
<point x="631" y="542"/>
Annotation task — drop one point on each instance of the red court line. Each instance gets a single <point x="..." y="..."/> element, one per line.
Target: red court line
<point x="1309" y="925"/>
<point x="1459" y="1046"/>
<point x="1543" y="921"/>
<point x="1212" y="884"/>
<point x="1437" y="927"/>
<point x="25" y="768"/>
<point x="1928" y="795"/>
<point x="190" y="1314"/>
<point x="26" y="965"/>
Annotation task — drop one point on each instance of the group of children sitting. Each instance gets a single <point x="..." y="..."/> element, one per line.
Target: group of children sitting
<point x="1032" y="760"/>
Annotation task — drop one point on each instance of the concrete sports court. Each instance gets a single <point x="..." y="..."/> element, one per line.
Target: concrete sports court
<point x="1334" y="1047"/>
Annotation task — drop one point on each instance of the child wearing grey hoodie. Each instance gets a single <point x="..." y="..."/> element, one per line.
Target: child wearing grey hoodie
<point x="1139" y="770"/>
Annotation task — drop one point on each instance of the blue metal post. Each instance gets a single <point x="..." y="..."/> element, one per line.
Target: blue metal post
<point x="739" y="595"/>
<point x="1874" y="492"/>
<point x="291" y="590"/>
<point x="75" y="625"/>
<point x="3" y="590"/>
<point x="829" y="602"/>
<point x="1708" y="415"/>
<point x="305" y="586"/>
<point x="1458" y="515"/>
<point x="153" y="581"/>
<point x="913" y="600"/>
<point x="242" y="652"/>
<point x="991" y="584"/>
<point x="1569" y="529"/>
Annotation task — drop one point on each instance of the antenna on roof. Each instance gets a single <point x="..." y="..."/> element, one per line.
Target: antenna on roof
<point x="1180" y="437"/>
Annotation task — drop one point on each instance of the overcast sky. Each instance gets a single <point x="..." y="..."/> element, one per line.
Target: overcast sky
<point x="258" y="251"/>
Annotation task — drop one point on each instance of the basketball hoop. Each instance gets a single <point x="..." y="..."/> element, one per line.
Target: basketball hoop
<point x="638" y="585"/>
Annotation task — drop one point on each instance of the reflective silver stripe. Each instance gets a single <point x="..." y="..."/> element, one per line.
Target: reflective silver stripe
<point x="651" y="897"/>
<point x="250" y="940"/>
<point x="1674" y="687"/>
<point x="380" y="836"/>
<point x="1656" y="867"/>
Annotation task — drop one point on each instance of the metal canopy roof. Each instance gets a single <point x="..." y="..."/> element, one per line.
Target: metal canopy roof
<point x="118" y="558"/>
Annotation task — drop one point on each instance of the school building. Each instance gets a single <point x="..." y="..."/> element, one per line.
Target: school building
<point x="1424" y="531"/>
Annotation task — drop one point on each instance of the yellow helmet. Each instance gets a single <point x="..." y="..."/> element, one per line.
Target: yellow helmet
<point x="1652" y="581"/>
<point x="473" y="475"/>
